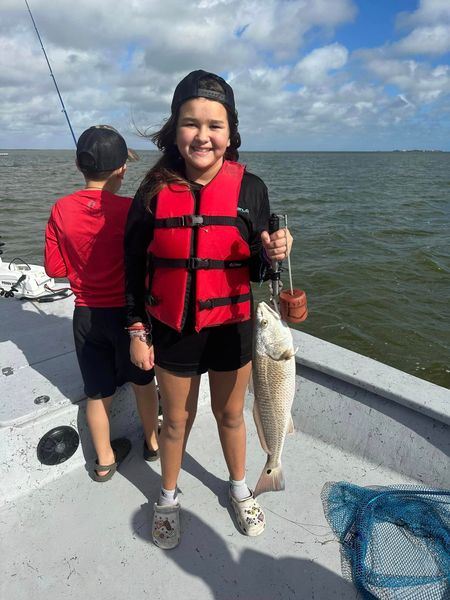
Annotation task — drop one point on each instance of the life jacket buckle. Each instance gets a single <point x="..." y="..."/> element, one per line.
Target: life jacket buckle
<point x="192" y="220"/>
<point x="194" y="263"/>
<point x="206" y="304"/>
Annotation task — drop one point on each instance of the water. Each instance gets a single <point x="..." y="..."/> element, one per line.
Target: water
<point x="371" y="244"/>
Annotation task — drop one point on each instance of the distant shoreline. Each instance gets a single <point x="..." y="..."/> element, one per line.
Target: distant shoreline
<point x="396" y="151"/>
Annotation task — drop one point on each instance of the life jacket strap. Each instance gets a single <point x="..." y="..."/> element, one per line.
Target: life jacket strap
<point x="194" y="264"/>
<point x="213" y="302"/>
<point x="194" y="221"/>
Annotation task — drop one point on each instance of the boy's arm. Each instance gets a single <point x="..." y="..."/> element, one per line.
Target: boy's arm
<point x="53" y="259"/>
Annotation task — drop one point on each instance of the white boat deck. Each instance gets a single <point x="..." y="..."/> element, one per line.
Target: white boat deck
<point x="64" y="535"/>
<point x="74" y="538"/>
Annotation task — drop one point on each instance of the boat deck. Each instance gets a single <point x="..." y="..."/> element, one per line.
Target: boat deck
<point x="64" y="535"/>
<point x="75" y="538"/>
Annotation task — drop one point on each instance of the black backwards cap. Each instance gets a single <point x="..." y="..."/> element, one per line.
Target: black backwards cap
<point x="101" y="148"/>
<point x="191" y="87"/>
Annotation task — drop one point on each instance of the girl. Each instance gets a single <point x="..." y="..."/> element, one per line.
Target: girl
<point x="196" y="236"/>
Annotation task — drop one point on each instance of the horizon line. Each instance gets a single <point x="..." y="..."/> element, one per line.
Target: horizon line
<point x="396" y="150"/>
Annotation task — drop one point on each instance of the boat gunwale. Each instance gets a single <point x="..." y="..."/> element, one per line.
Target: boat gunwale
<point x="373" y="376"/>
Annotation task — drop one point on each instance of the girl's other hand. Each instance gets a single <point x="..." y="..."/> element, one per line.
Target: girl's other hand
<point x="277" y="245"/>
<point x="141" y="354"/>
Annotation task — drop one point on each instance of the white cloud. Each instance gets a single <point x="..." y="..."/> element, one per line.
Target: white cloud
<point x="120" y="66"/>
<point x="318" y="63"/>
<point x="280" y="26"/>
<point x="432" y="40"/>
<point x="420" y="82"/>
<point x="430" y="12"/>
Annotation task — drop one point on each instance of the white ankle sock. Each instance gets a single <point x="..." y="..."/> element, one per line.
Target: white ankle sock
<point x="167" y="497"/>
<point x="239" y="489"/>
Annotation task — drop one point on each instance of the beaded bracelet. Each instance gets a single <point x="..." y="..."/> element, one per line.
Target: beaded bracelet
<point x="141" y="334"/>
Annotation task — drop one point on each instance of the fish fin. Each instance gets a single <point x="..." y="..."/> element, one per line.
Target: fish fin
<point x="270" y="480"/>
<point x="290" y="427"/>
<point x="251" y="387"/>
<point x="259" y="428"/>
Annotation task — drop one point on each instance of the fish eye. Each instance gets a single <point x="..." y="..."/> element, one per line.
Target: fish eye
<point x="264" y="323"/>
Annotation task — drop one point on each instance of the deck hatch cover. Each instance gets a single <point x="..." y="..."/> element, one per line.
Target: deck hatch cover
<point x="57" y="445"/>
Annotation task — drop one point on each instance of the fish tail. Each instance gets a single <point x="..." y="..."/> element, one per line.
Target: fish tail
<point x="291" y="427"/>
<point x="270" y="480"/>
<point x="250" y="385"/>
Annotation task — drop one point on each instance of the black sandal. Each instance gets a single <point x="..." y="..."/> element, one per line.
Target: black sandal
<point x="149" y="454"/>
<point x="121" y="447"/>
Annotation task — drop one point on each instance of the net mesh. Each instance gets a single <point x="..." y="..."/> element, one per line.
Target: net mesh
<point x="395" y="542"/>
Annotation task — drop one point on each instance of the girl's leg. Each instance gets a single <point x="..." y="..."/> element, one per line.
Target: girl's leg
<point x="97" y="415"/>
<point x="227" y="396"/>
<point x="227" y="401"/>
<point x="179" y="397"/>
<point x="147" y="405"/>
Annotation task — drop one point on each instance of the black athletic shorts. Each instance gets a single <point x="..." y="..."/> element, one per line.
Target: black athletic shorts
<point x="103" y="351"/>
<point x="221" y="348"/>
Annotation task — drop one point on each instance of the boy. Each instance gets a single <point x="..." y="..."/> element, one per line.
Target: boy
<point x="84" y="242"/>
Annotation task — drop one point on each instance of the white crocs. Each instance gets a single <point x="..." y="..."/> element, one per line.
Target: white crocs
<point x="166" y="526"/>
<point x="249" y="515"/>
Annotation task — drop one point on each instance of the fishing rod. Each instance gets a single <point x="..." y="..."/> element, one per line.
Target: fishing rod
<point x="275" y="271"/>
<point x="290" y="304"/>
<point x="51" y="74"/>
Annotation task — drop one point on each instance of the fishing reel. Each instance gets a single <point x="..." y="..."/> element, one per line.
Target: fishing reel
<point x="276" y="267"/>
<point x="290" y="304"/>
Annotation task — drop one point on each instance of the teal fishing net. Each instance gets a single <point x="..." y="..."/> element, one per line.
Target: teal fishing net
<point x="395" y="542"/>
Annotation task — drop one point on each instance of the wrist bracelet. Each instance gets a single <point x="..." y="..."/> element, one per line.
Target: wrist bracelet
<point x="143" y="335"/>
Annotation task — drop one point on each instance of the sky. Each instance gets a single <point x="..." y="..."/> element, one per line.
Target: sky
<point x="317" y="75"/>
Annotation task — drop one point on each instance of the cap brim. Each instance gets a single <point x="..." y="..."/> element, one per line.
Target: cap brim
<point x="132" y="155"/>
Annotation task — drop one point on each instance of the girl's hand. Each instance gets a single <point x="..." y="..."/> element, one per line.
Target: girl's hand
<point x="278" y="245"/>
<point x="141" y="354"/>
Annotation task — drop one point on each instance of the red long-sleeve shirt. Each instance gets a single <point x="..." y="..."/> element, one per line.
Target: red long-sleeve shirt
<point x="84" y="242"/>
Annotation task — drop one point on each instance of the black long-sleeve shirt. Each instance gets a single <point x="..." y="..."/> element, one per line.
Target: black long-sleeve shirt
<point x="253" y="218"/>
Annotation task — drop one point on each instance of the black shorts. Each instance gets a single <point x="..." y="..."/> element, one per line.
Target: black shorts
<point x="103" y="351"/>
<point x="221" y="348"/>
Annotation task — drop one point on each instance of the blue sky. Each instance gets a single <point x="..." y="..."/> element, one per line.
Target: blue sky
<point x="307" y="74"/>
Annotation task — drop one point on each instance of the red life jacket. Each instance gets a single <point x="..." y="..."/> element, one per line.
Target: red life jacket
<point x="202" y="242"/>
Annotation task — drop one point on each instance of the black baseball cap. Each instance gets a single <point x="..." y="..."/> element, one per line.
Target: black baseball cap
<point x="191" y="87"/>
<point x="101" y="148"/>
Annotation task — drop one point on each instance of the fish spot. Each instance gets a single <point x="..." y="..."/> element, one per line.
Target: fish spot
<point x="269" y="471"/>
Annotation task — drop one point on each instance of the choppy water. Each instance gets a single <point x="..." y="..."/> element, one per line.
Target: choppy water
<point x="372" y="241"/>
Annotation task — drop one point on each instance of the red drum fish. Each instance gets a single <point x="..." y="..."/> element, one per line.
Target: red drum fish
<point x="274" y="389"/>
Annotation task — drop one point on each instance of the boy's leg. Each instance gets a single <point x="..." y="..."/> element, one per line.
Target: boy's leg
<point x="97" y="416"/>
<point x="95" y="353"/>
<point x="147" y="405"/>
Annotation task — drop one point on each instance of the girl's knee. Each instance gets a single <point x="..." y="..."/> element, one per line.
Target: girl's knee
<point x="175" y="429"/>
<point x="229" y="420"/>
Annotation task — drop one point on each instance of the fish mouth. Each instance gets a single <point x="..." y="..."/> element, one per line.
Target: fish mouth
<point x="263" y="306"/>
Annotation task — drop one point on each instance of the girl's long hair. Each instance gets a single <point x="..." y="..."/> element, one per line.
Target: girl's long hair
<point x="169" y="169"/>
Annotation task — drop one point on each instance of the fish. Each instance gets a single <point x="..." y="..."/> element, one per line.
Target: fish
<point x="273" y="375"/>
